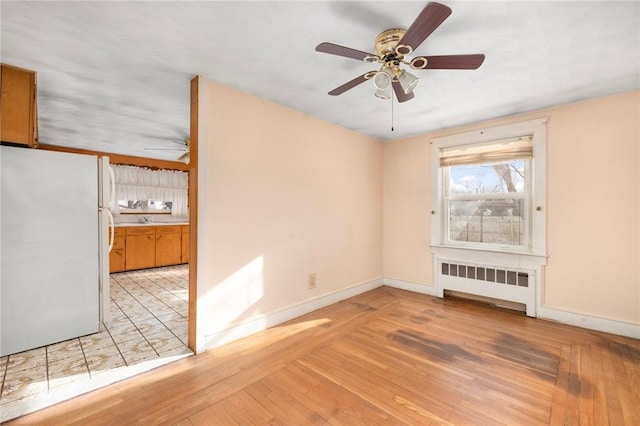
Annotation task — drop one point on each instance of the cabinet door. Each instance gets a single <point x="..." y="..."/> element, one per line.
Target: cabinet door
<point x="17" y="105"/>
<point x="185" y="244"/>
<point x="116" y="260"/>
<point x="140" y="250"/>
<point x="116" y="256"/>
<point x="168" y="247"/>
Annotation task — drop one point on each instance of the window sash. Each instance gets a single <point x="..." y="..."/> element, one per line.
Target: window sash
<point x="488" y="196"/>
<point x="525" y="195"/>
<point x="526" y="237"/>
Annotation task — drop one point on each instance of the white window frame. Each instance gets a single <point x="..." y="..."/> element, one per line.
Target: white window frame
<point x="537" y="211"/>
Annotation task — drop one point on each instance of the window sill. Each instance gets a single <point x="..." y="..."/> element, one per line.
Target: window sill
<point x="494" y="256"/>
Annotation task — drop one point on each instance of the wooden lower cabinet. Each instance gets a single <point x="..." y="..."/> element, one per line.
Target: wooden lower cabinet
<point x="142" y="247"/>
<point x="116" y="256"/>
<point x="140" y="251"/>
<point x="168" y="246"/>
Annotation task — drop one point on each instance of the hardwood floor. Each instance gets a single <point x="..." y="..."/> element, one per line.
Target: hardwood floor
<point x="385" y="357"/>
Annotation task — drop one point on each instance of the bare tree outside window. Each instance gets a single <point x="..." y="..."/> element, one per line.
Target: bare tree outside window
<point x="487" y="202"/>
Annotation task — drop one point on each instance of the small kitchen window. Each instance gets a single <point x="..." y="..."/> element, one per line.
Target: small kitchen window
<point x="140" y="190"/>
<point x="144" y="207"/>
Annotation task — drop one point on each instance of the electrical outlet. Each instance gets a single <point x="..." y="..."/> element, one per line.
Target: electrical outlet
<point x="312" y="280"/>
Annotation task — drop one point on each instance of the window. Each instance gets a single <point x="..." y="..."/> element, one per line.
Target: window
<point x="141" y="190"/>
<point x="487" y="193"/>
<point x="488" y="189"/>
<point x="144" y="207"/>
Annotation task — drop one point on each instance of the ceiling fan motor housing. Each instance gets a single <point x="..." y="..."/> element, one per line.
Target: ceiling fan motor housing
<point x="387" y="48"/>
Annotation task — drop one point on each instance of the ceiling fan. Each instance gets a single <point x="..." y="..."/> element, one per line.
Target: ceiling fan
<point x="392" y="46"/>
<point x="185" y="149"/>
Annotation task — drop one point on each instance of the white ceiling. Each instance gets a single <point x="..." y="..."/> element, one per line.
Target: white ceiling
<point x="114" y="76"/>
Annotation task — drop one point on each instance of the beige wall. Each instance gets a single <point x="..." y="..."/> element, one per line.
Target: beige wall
<point x="281" y="195"/>
<point x="593" y="207"/>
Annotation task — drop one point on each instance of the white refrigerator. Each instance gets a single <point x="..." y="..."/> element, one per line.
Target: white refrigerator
<point x="54" y="258"/>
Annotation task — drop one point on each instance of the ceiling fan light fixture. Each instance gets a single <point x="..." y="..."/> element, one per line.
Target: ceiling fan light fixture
<point x="384" y="93"/>
<point x="382" y="80"/>
<point x="407" y="81"/>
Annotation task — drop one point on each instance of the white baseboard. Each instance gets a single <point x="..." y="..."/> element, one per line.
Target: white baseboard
<point x="262" y="322"/>
<point x="593" y="323"/>
<point x="410" y="286"/>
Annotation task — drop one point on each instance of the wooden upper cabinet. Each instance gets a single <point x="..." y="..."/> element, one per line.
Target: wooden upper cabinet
<point x="18" y="106"/>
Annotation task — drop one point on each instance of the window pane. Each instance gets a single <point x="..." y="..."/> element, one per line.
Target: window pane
<point x="144" y="206"/>
<point x="487" y="221"/>
<point x="487" y="178"/>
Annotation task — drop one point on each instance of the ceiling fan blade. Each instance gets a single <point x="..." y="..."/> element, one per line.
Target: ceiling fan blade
<point x="335" y="49"/>
<point x="350" y="84"/>
<point x="402" y="97"/>
<point x="451" y="62"/>
<point x="427" y="21"/>
<point x="167" y="149"/>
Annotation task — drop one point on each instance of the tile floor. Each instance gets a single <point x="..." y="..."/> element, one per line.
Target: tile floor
<point x="148" y="328"/>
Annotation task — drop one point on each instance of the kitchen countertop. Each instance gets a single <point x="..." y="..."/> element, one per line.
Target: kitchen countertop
<point x="122" y="224"/>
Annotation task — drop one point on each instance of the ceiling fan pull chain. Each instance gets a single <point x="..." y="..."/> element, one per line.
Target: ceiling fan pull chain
<point x="392" y="112"/>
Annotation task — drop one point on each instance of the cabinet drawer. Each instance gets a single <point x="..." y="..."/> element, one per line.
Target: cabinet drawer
<point x="165" y="229"/>
<point x="141" y="230"/>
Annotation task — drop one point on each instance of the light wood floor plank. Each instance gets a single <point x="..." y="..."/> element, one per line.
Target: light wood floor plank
<point x="384" y="357"/>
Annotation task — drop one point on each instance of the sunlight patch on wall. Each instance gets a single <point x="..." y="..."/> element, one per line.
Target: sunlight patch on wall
<point x="229" y="300"/>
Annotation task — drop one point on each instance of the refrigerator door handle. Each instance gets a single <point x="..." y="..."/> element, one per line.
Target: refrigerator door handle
<point x="112" y="228"/>
<point x="112" y="192"/>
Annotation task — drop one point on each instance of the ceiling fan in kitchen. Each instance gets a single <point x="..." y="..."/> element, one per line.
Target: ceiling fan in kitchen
<point x="393" y="47"/>
<point x="185" y="149"/>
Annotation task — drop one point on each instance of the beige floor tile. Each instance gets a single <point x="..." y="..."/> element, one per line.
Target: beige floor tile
<point x="63" y="379"/>
<point x="68" y="367"/>
<point x="160" y="336"/>
<point x="99" y="362"/>
<point x="177" y="324"/>
<point x="170" y="317"/>
<point x="68" y="345"/>
<point x="166" y="345"/>
<point x="26" y="360"/>
<point x="95" y="340"/>
<point x="105" y="346"/>
<point x="68" y="352"/>
<point x="133" y="358"/>
<point x="150" y="326"/>
<point x="121" y="337"/>
<point x="119" y="322"/>
<point x="24" y="383"/>
<point x="137" y="345"/>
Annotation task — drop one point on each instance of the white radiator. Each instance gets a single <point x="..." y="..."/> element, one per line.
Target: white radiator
<point x="498" y="282"/>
